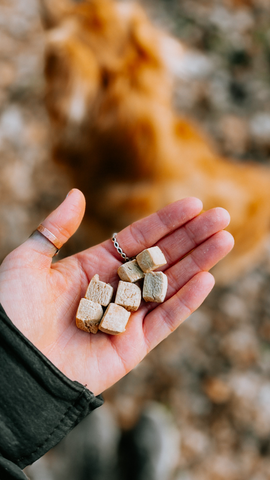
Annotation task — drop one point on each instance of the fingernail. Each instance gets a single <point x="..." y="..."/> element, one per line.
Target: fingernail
<point x="69" y="192"/>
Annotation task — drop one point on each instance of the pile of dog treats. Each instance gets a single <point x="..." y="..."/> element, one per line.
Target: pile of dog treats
<point x="91" y="316"/>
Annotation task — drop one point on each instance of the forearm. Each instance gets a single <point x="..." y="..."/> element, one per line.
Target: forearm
<point x="38" y="404"/>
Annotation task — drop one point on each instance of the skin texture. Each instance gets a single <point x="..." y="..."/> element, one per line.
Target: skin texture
<point x="42" y="297"/>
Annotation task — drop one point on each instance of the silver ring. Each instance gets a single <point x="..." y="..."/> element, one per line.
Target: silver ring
<point x="119" y="249"/>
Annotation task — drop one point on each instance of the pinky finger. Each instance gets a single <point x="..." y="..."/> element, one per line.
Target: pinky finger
<point x="163" y="320"/>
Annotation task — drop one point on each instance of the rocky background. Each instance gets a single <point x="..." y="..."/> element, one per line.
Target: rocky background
<point x="212" y="374"/>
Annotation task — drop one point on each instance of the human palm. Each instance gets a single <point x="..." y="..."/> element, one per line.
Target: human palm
<point x="41" y="297"/>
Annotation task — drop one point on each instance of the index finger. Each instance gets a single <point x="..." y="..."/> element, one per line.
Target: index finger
<point x="148" y="231"/>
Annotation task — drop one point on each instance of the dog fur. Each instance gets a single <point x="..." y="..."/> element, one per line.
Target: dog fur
<point x="109" y="89"/>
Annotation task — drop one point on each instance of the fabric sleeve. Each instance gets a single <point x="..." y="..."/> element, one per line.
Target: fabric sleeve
<point x="38" y="404"/>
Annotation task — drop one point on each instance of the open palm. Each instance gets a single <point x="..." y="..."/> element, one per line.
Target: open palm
<point x="41" y="297"/>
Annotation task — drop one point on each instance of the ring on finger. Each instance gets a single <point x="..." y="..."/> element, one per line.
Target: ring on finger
<point x="50" y="237"/>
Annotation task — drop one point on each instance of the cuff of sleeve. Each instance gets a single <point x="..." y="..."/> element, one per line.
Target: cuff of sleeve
<point x="38" y="404"/>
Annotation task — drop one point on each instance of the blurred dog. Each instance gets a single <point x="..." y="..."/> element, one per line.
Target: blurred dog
<point x="109" y="87"/>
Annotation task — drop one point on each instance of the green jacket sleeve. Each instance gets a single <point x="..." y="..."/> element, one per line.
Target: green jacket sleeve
<point x="38" y="404"/>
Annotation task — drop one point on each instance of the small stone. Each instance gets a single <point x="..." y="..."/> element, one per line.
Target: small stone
<point x="155" y="287"/>
<point x="150" y="259"/>
<point x="88" y="315"/>
<point x="128" y="295"/>
<point x="130" y="271"/>
<point x="114" y="320"/>
<point x="217" y="390"/>
<point x="99" y="292"/>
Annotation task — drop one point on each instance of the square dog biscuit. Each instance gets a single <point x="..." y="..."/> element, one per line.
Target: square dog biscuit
<point x="88" y="315"/>
<point x="130" y="271"/>
<point x="150" y="259"/>
<point x="128" y="295"/>
<point x="155" y="287"/>
<point x="99" y="292"/>
<point x="114" y="320"/>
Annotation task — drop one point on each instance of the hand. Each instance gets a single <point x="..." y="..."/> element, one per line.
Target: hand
<point x="41" y="298"/>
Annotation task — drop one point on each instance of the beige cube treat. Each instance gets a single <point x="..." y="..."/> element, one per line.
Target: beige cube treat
<point x="99" y="292"/>
<point x="155" y="287"/>
<point x="114" y="320"/>
<point x="150" y="259"/>
<point x="88" y="315"/>
<point x="128" y="295"/>
<point x="130" y="271"/>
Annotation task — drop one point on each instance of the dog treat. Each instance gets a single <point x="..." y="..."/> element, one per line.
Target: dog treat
<point x="130" y="271"/>
<point x="150" y="259"/>
<point x="155" y="287"/>
<point x="128" y="295"/>
<point x="88" y="315"/>
<point x="114" y="320"/>
<point x="99" y="292"/>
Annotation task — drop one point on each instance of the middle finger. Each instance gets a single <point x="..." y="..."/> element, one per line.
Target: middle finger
<point x="182" y="241"/>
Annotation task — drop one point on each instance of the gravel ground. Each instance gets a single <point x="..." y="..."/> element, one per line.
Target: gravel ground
<point x="212" y="374"/>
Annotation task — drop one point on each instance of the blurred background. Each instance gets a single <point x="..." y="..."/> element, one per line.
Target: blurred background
<point x="212" y="375"/>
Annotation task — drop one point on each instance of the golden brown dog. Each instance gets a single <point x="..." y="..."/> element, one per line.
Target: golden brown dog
<point x="109" y="96"/>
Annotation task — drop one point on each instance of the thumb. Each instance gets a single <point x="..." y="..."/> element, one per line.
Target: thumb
<point x="62" y="223"/>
